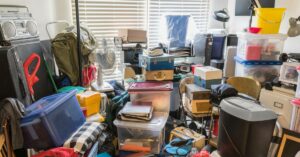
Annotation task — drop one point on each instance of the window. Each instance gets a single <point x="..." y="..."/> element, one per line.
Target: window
<point x="105" y="17"/>
<point x="199" y="9"/>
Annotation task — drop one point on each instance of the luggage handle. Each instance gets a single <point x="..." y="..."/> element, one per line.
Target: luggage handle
<point x="160" y="76"/>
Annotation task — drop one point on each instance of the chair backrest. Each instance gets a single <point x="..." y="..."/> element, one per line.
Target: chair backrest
<point x="183" y="82"/>
<point x="245" y="85"/>
<point x="177" y="27"/>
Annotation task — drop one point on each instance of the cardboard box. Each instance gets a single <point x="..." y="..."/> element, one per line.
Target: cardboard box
<point x="208" y="73"/>
<point x="186" y="133"/>
<point x="133" y="35"/>
<point x="194" y="92"/>
<point x="199" y="106"/>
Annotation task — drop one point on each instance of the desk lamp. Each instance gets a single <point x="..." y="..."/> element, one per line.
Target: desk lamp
<point x="222" y="16"/>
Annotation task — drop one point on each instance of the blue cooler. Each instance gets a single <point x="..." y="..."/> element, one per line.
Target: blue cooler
<point x="51" y="121"/>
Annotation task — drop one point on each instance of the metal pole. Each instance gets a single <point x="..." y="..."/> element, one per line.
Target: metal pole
<point x="78" y="42"/>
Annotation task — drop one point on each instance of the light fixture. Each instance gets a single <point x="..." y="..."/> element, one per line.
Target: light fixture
<point x="222" y="16"/>
<point x="294" y="29"/>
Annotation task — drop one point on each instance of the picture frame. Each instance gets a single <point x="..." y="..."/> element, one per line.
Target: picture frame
<point x="290" y="144"/>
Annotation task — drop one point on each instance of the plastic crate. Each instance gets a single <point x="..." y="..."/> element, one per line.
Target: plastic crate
<point x="159" y="93"/>
<point x="147" y="136"/>
<point x="51" y="120"/>
<point x="262" y="71"/>
<point x="260" y="47"/>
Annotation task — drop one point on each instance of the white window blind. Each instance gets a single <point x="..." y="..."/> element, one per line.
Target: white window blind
<point x="199" y="9"/>
<point x="105" y="17"/>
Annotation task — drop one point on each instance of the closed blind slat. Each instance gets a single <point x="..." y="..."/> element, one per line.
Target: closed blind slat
<point x="105" y="17"/>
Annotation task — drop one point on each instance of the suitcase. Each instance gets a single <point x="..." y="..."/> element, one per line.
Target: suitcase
<point x="194" y="92"/>
<point x="218" y="46"/>
<point x="186" y="133"/>
<point x="164" y="62"/>
<point x="13" y="82"/>
<point x="202" y="47"/>
<point x="278" y="101"/>
<point x="158" y="75"/>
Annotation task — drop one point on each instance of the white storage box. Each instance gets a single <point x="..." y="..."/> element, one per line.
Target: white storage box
<point x="147" y="136"/>
<point x="262" y="71"/>
<point x="260" y="46"/>
<point x="208" y="73"/>
<point x="159" y="93"/>
<point x="278" y="100"/>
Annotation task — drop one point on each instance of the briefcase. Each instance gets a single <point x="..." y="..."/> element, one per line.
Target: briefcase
<point x="186" y="133"/>
<point x="164" y="62"/>
<point x="158" y="75"/>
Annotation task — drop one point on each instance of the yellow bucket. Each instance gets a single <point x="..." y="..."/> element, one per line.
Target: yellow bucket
<point x="269" y="19"/>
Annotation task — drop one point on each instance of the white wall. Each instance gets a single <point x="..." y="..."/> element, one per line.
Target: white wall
<point x="238" y="23"/>
<point x="214" y="6"/>
<point x="42" y="11"/>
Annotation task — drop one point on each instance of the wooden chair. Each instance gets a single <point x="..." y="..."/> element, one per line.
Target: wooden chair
<point x="6" y="149"/>
<point x="246" y="86"/>
<point x="184" y="109"/>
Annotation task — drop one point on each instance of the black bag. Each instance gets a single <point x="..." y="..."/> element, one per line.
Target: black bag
<point x="13" y="82"/>
<point x="219" y="92"/>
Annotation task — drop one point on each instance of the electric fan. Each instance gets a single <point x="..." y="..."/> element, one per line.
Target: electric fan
<point x="105" y="59"/>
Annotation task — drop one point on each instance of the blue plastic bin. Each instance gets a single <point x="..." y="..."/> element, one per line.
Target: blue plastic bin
<point x="51" y="120"/>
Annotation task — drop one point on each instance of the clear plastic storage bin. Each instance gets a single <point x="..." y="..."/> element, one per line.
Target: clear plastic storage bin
<point x="142" y="136"/>
<point x="51" y="121"/>
<point x="159" y="93"/>
<point x="262" y="71"/>
<point x="260" y="46"/>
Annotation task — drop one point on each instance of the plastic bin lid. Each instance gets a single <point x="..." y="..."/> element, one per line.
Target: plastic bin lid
<point x="246" y="109"/>
<point x="150" y="86"/>
<point x="157" y="123"/>
<point x="256" y="62"/>
<point x="162" y="56"/>
<point x="262" y="36"/>
<point x="46" y="105"/>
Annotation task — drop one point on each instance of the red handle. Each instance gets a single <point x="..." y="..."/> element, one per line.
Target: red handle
<point x="31" y="78"/>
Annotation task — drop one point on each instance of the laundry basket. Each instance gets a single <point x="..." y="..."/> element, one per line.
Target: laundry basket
<point x="269" y="19"/>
